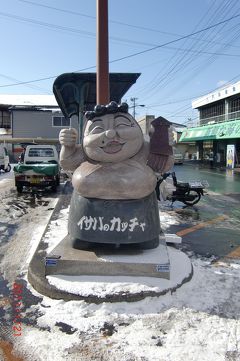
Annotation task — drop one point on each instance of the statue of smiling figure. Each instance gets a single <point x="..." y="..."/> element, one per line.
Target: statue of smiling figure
<point x="114" y="179"/>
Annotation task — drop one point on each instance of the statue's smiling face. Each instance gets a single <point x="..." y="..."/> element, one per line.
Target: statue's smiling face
<point x="112" y="137"/>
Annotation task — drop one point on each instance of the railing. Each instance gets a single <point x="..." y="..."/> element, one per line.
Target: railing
<point x="220" y="118"/>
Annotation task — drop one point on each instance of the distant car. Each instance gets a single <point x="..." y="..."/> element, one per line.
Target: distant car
<point x="4" y="159"/>
<point x="178" y="157"/>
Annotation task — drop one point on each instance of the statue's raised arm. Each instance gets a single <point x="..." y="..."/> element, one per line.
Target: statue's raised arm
<point x="160" y="157"/>
<point x="71" y="155"/>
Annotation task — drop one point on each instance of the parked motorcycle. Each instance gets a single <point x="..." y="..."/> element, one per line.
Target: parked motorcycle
<point x="189" y="193"/>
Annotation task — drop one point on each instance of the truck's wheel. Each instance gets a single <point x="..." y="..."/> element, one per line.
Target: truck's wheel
<point x="19" y="189"/>
<point x="8" y="168"/>
<point x="58" y="180"/>
<point x="54" y="188"/>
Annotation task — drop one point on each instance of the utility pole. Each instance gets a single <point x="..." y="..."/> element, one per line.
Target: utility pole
<point x="135" y="105"/>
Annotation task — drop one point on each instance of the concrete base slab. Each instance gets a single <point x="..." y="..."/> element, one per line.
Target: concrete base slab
<point x="139" y="267"/>
<point x="111" y="261"/>
<point x="111" y="287"/>
<point x="125" y="288"/>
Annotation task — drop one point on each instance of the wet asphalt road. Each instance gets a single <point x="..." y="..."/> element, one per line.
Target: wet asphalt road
<point x="220" y="180"/>
<point x="212" y="226"/>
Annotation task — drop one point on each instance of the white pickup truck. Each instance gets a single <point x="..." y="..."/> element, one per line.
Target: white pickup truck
<point x="40" y="168"/>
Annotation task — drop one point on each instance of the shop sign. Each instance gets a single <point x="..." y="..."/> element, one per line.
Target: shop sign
<point x="230" y="156"/>
<point x="225" y="130"/>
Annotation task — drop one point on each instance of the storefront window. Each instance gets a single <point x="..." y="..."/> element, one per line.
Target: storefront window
<point x="207" y="149"/>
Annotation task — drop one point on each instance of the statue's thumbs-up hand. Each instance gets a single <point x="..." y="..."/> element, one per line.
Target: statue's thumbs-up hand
<point x="68" y="137"/>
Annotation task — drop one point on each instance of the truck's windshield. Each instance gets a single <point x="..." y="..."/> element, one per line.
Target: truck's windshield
<point x="41" y="152"/>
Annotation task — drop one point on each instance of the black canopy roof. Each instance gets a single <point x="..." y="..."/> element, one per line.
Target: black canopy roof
<point x="76" y="92"/>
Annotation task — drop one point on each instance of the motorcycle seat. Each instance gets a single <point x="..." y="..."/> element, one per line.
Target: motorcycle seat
<point x="182" y="185"/>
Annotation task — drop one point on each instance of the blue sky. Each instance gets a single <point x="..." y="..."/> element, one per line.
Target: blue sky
<point x="45" y="38"/>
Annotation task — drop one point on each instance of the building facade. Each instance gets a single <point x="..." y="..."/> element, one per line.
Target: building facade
<point x="30" y="119"/>
<point x="219" y="125"/>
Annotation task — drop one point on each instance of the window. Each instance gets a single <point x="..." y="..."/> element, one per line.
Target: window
<point x="60" y="121"/>
<point x="234" y="105"/>
<point x="5" y="120"/>
<point x="212" y="110"/>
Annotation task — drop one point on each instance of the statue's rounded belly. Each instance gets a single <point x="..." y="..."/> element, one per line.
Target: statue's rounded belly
<point x="115" y="182"/>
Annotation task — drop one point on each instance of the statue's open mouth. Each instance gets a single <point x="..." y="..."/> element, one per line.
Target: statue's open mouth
<point x="112" y="147"/>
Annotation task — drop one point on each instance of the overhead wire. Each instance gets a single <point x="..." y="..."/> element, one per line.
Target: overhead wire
<point x="143" y="51"/>
<point x="195" y="96"/>
<point x="110" y="20"/>
<point x="32" y="86"/>
<point x="173" y="63"/>
<point x="184" y="108"/>
<point x="164" y="73"/>
<point x="178" y="64"/>
<point x="185" y="51"/>
<point x="206" y="63"/>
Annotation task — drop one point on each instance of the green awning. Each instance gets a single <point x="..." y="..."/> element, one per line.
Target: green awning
<point x="226" y="130"/>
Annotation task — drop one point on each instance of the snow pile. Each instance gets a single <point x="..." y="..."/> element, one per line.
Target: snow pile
<point x="57" y="230"/>
<point x="200" y="321"/>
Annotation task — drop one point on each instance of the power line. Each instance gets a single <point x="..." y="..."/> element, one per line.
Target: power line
<point x="176" y="40"/>
<point x="211" y="59"/>
<point x="134" y="54"/>
<point x="28" y="85"/>
<point x="179" y="64"/>
<point x="91" y="34"/>
<point x="47" y="78"/>
<point x="111" y="21"/>
<point x="195" y="96"/>
<point x="48" y="25"/>
<point x="78" y="31"/>
<point x="94" y="18"/>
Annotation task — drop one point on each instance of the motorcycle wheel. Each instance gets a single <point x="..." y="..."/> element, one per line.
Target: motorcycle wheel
<point x="19" y="189"/>
<point x="196" y="200"/>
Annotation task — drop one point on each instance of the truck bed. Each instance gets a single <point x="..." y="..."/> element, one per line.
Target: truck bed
<point x="48" y="169"/>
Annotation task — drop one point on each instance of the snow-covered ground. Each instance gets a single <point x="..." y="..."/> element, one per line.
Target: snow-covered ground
<point x="198" y="322"/>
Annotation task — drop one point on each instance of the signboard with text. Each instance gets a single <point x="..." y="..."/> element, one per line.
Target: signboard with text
<point x="226" y="130"/>
<point x="230" y="156"/>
